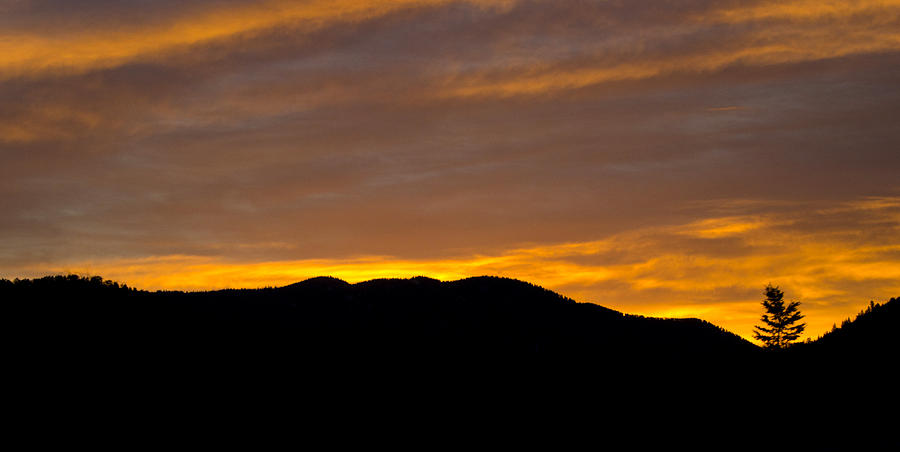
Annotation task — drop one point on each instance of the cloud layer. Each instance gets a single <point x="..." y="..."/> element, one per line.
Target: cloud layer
<point x="710" y="146"/>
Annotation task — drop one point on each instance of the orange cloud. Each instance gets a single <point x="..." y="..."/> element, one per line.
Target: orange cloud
<point x="36" y="52"/>
<point x="798" y="10"/>
<point x="768" y="47"/>
<point x="802" y="31"/>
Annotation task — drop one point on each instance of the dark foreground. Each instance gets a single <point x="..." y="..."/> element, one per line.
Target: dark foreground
<point x="420" y="357"/>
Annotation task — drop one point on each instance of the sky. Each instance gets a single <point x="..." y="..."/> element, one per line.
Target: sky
<point x="665" y="158"/>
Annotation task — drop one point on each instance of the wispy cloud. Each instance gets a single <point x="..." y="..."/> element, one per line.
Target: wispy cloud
<point x="78" y="49"/>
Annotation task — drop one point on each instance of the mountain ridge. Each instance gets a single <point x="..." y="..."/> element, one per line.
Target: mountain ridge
<point x="465" y="316"/>
<point x="511" y="315"/>
<point x="423" y="343"/>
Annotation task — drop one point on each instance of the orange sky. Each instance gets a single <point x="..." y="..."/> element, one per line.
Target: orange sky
<point x="662" y="159"/>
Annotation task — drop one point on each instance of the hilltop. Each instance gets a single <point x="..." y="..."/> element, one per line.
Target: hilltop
<point x="482" y="317"/>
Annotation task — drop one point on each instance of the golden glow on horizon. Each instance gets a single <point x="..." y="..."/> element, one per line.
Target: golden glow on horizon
<point x="660" y="279"/>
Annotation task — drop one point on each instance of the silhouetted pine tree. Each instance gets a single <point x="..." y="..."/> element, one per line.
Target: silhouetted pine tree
<point x="780" y="330"/>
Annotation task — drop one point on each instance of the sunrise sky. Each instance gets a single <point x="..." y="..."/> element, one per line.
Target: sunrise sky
<point x="656" y="157"/>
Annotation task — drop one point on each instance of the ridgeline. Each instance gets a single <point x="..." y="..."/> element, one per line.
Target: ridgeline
<point x="419" y="318"/>
<point x="483" y="349"/>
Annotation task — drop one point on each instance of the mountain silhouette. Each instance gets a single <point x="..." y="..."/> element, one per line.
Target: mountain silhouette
<point x="482" y="357"/>
<point x="418" y="318"/>
<point x="421" y="318"/>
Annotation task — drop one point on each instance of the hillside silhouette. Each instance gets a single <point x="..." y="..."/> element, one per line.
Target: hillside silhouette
<point x="874" y="330"/>
<point x="867" y="345"/>
<point x="479" y="317"/>
<point x="418" y="318"/>
<point x="421" y="317"/>
<point x="510" y="357"/>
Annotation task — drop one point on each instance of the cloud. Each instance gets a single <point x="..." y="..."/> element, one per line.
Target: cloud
<point x="660" y="157"/>
<point x="84" y="47"/>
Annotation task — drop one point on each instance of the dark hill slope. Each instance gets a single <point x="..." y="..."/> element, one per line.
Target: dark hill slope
<point x="418" y="318"/>
<point x="873" y="336"/>
<point x="499" y="316"/>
